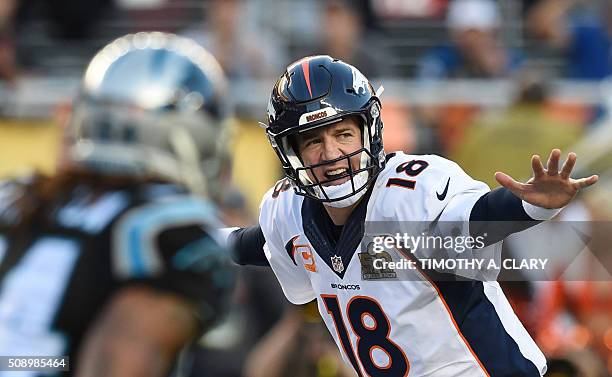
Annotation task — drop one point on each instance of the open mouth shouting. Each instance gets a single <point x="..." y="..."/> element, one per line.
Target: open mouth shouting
<point x="335" y="176"/>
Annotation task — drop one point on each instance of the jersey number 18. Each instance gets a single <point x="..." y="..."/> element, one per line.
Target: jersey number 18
<point x="371" y="327"/>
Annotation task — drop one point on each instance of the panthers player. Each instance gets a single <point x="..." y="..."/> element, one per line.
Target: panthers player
<point x="110" y="261"/>
<point x="325" y="126"/>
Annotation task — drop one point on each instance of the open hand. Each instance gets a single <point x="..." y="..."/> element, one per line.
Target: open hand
<point x="548" y="188"/>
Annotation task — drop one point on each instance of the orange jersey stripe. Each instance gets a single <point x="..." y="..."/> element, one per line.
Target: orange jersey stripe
<point x="450" y="314"/>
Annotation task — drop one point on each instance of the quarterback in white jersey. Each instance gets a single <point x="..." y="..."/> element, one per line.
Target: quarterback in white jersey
<point x="324" y="124"/>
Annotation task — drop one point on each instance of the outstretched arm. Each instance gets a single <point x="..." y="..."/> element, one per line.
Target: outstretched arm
<point x="245" y="244"/>
<point x="548" y="188"/>
<point x="517" y="206"/>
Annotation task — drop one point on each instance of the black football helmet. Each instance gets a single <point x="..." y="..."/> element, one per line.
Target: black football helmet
<point x="317" y="91"/>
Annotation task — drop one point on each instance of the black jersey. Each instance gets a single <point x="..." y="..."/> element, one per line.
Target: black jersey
<point x="57" y="273"/>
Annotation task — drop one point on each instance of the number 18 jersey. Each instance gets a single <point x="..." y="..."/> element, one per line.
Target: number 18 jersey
<point x="402" y="322"/>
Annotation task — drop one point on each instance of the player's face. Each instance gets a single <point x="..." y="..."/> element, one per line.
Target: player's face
<point x="329" y="143"/>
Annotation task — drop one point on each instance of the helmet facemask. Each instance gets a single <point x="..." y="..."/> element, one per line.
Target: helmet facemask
<point x="360" y="178"/>
<point x="122" y="140"/>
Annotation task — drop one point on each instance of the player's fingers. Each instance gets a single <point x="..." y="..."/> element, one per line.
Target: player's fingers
<point x="585" y="182"/>
<point x="536" y="165"/>
<point x="552" y="166"/>
<point x="566" y="170"/>
<point x="508" y="182"/>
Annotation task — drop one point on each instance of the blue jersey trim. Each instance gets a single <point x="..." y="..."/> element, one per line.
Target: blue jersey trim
<point x="136" y="231"/>
<point x="483" y="330"/>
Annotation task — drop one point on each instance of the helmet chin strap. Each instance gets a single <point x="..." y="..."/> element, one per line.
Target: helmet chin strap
<point x="343" y="189"/>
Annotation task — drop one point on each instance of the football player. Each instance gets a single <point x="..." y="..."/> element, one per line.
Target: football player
<point x="326" y="128"/>
<point x="110" y="261"/>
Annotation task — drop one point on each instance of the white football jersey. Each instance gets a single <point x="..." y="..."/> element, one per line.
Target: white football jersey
<point x="403" y="323"/>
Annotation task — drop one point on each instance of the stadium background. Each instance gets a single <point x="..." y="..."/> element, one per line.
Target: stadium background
<point x="486" y="121"/>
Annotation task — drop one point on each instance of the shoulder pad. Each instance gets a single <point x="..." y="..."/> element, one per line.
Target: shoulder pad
<point x="135" y="232"/>
<point x="281" y="192"/>
<point x="279" y="204"/>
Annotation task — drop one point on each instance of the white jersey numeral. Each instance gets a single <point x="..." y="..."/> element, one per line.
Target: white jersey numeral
<point x="30" y="297"/>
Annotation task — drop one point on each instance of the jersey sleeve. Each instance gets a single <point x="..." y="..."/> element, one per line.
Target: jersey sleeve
<point x="452" y="218"/>
<point x="462" y="191"/>
<point x="429" y="188"/>
<point x="168" y="246"/>
<point x="436" y="207"/>
<point x="274" y="215"/>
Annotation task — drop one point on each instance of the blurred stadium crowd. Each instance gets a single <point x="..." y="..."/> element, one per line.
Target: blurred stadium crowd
<point x="481" y="82"/>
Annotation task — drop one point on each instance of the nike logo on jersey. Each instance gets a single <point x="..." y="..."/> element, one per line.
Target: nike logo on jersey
<point x="443" y="195"/>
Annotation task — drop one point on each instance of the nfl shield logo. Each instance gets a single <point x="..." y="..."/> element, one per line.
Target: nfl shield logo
<point x="337" y="264"/>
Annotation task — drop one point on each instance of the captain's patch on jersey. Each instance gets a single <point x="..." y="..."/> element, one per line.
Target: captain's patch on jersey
<point x="293" y="247"/>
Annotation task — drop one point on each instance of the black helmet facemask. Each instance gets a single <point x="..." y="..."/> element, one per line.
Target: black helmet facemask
<point x="318" y="92"/>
